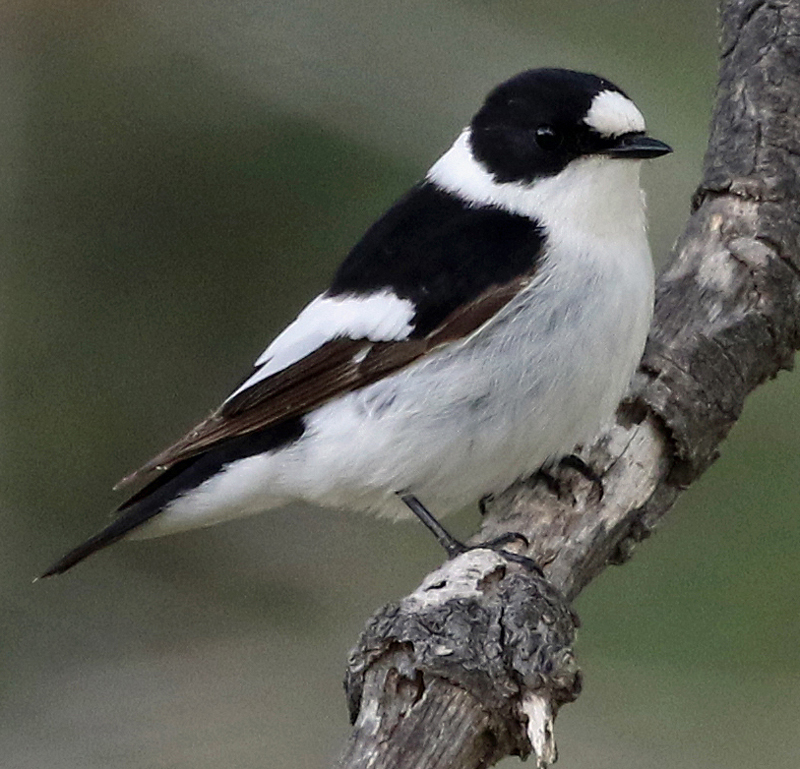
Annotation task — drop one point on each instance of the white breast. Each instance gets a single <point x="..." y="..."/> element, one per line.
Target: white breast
<point x="545" y="374"/>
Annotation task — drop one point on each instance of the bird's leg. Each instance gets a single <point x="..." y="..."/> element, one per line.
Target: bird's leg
<point x="450" y="544"/>
<point x="453" y="547"/>
<point x="576" y="463"/>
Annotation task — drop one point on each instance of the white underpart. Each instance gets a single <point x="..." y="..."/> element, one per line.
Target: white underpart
<point x="546" y="373"/>
<point x="613" y="114"/>
<point x="378" y="317"/>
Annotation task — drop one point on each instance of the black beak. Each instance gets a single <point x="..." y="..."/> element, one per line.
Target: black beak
<point x="637" y="146"/>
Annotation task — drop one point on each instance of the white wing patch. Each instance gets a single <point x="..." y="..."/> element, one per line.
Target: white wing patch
<point x="613" y="114"/>
<point x="379" y="317"/>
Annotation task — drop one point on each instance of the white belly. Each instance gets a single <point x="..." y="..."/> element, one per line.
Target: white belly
<point x="477" y="416"/>
<point x="546" y="374"/>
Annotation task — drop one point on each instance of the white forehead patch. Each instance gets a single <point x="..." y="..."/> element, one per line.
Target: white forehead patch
<point x="613" y="114"/>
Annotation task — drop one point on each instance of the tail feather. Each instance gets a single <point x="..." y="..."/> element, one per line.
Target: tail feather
<point x="177" y="480"/>
<point x="141" y="507"/>
<point x="108" y="536"/>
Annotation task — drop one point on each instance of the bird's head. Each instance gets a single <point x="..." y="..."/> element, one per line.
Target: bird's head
<point x="537" y="123"/>
<point x="558" y="146"/>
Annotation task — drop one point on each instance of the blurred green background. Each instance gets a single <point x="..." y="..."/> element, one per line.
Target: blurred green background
<point x="178" y="179"/>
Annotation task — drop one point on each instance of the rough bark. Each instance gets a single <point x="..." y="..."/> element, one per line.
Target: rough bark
<point x="474" y="665"/>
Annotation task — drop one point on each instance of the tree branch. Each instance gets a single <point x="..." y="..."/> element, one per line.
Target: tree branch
<point x="475" y="663"/>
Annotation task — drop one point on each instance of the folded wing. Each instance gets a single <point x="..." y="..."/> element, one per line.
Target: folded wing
<point x="338" y="366"/>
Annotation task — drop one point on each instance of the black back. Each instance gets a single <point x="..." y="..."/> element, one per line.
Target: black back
<point x="439" y="252"/>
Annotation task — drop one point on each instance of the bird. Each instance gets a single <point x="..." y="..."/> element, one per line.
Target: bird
<point x="487" y="323"/>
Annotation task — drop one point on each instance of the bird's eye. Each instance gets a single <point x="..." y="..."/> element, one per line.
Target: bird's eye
<point x="548" y="138"/>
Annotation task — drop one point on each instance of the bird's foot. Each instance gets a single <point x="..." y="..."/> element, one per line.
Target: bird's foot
<point x="574" y="462"/>
<point x="497" y="544"/>
<point x="454" y="547"/>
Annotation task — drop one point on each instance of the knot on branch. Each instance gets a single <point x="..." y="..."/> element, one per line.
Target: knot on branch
<point x="499" y="634"/>
<point x="726" y="320"/>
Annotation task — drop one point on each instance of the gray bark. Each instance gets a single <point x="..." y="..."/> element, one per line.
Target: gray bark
<point x="474" y="665"/>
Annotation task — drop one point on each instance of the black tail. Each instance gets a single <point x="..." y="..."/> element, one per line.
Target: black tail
<point x="141" y="507"/>
<point x="107" y="536"/>
<point x="181" y="477"/>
